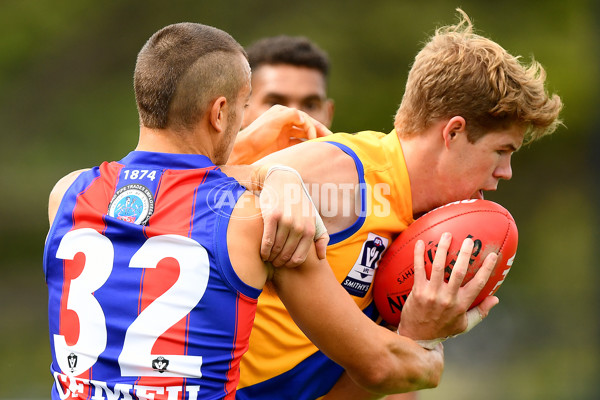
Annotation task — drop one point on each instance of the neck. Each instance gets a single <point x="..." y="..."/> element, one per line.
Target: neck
<point x="421" y="156"/>
<point x="169" y="141"/>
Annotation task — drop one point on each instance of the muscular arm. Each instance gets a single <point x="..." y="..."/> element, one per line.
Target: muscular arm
<point x="346" y="389"/>
<point x="375" y="357"/>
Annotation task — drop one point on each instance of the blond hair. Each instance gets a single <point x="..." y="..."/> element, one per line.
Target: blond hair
<point x="461" y="73"/>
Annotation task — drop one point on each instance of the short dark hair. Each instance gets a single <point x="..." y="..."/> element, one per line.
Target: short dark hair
<point x="293" y="50"/>
<point x="172" y="87"/>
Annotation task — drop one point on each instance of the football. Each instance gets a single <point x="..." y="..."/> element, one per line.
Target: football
<point x="491" y="227"/>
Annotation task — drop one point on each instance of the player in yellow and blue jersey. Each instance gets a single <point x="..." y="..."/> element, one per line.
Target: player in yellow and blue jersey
<point x="468" y="106"/>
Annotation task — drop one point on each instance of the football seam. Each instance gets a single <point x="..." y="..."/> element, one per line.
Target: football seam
<point x="452" y="217"/>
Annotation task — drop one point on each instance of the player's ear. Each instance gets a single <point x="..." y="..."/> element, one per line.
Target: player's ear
<point x="218" y="114"/>
<point x="330" y="107"/>
<point x="455" y="126"/>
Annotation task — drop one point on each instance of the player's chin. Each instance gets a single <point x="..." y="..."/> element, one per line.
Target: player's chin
<point x="478" y="195"/>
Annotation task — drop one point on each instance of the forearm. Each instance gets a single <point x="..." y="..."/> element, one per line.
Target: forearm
<point x="400" y="365"/>
<point x="376" y="358"/>
<point x="346" y="389"/>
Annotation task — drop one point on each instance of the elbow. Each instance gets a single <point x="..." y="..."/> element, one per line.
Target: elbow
<point x="426" y="373"/>
<point x="428" y="377"/>
<point x="388" y="377"/>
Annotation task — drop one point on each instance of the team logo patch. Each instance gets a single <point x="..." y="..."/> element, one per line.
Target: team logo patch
<point x="72" y="360"/>
<point x="132" y="203"/>
<point x="360" y="277"/>
<point x="160" y="364"/>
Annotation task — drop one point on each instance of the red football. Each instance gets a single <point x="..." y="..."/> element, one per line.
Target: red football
<point x="491" y="227"/>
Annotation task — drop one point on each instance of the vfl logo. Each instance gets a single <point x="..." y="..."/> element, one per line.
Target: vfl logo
<point x="72" y="360"/>
<point x="160" y="364"/>
<point x="132" y="203"/>
<point x="360" y="277"/>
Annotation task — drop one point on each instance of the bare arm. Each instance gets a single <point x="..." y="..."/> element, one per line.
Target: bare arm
<point x="346" y="389"/>
<point x="376" y="358"/>
<point x="389" y="363"/>
<point x="58" y="191"/>
<point x="434" y="310"/>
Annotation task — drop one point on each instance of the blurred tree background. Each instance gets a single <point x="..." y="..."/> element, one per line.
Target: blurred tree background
<point x="66" y="102"/>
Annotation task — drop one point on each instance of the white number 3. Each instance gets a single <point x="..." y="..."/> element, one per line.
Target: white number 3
<point x="151" y="323"/>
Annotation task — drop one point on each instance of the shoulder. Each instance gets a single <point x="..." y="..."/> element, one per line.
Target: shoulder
<point x="59" y="190"/>
<point x="314" y="160"/>
<point x="244" y="234"/>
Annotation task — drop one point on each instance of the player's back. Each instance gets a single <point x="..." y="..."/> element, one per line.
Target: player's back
<point x="143" y="300"/>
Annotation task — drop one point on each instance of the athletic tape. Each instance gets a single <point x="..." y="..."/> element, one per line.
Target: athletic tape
<point x="473" y="318"/>
<point x="319" y="225"/>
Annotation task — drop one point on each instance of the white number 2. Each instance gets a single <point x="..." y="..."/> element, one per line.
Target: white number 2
<point x="151" y="323"/>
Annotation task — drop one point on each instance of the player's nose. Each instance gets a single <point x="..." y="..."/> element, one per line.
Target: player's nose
<point x="503" y="170"/>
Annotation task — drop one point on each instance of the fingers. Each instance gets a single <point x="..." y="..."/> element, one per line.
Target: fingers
<point x="322" y="129"/>
<point x="459" y="270"/>
<point x="295" y="246"/>
<point x="282" y="236"/>
<point x="306" y="126"/>
<point x="292" y="249"/>
<point x="319" y="129"/>
<point x="303" y="125"/>
<point x="475" y="285"/>
<point x="439" y="262"/>
<point x="311" y="131"/>
<point x="419" y="264"/>
<point x="486" y="305"/>
<point x="321" y="245"/>
<point x="281" y="127"/>
<point x="315" y="128"/>
<point x="477" y="314"/>
<point x="268" y="239"/>
<point x="436" y="309"/>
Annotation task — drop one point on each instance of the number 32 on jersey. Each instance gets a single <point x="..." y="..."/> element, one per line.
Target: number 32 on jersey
<point x="135" y="358"/>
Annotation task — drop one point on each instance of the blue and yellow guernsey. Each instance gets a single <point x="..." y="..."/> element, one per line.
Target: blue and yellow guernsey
<point x="281" y="362"/>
